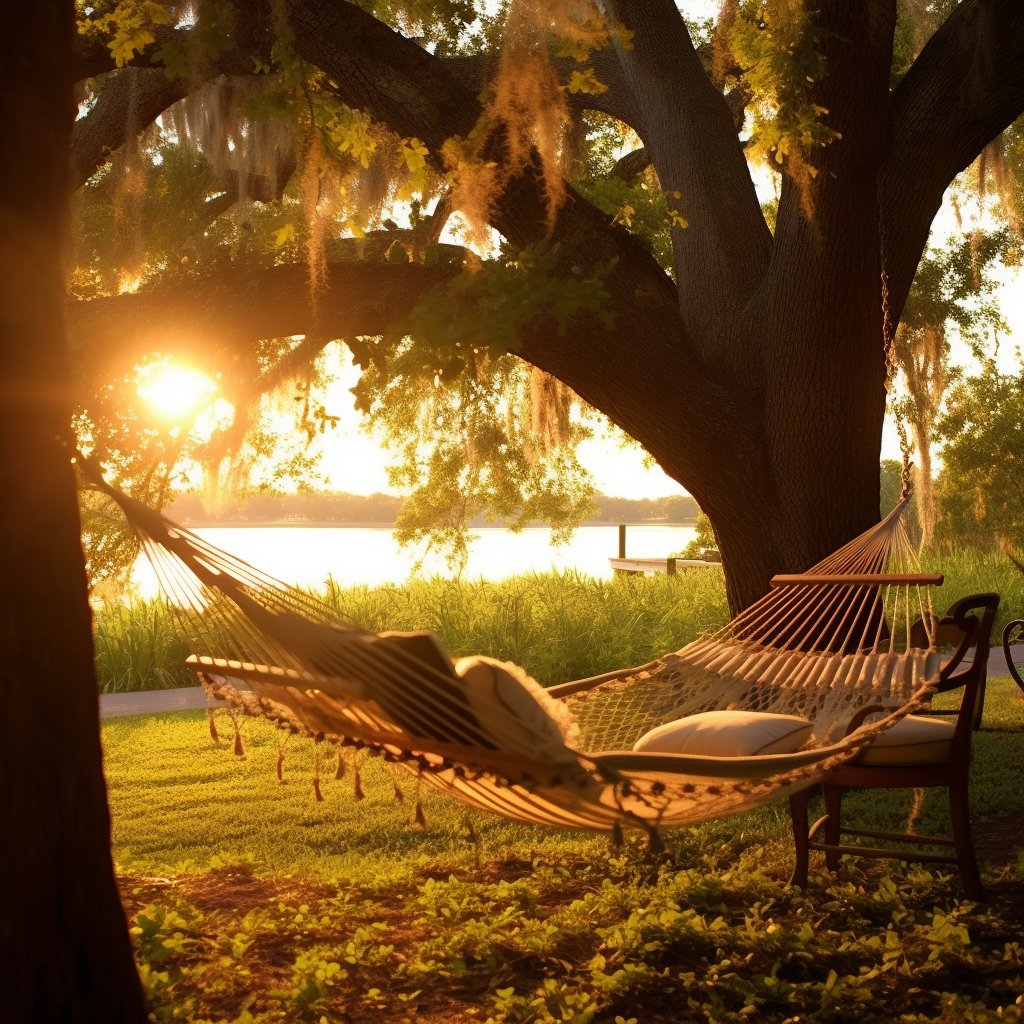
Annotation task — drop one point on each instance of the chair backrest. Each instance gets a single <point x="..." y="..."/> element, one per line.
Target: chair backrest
<point x="966" y="629"/>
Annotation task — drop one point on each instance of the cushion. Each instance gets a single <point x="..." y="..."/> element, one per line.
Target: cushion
<point x="728" y="734"/>
<point x="912" y="740"/>
<point x="421" y="645"/>
<point x="517" y="712"/>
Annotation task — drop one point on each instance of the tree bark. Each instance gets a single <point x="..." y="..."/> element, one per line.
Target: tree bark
<point x="63" y="938"/>
<point x="687" y="126"/>
<point x="224" y="312"/>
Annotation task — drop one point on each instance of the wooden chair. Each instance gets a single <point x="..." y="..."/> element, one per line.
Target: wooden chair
<point x="918" y="752"/>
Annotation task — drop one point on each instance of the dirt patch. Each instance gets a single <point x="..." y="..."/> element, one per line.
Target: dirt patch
<point x="221" y="889"/>
<point x="997" y="839"/>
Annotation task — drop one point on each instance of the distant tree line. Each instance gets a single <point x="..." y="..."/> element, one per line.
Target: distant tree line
<point x="382" y="509"/>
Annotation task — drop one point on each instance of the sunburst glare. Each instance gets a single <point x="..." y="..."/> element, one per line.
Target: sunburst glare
<point x="174" y="391"/>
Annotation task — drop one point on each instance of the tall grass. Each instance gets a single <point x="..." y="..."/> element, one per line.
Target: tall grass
<point x="139" y="648"/>
<point x="557" y="626"/>
<point x="970" y="571"/>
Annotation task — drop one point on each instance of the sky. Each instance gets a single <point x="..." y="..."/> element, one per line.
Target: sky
<point x="354" y="462"/>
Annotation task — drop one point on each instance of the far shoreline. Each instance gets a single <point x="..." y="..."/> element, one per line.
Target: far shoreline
<point x="293" y="524"/>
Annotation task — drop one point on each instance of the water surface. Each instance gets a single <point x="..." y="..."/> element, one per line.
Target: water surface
<point x="307" y="556"/>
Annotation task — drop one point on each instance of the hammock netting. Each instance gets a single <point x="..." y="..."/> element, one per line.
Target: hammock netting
<point x="822" y="645"/>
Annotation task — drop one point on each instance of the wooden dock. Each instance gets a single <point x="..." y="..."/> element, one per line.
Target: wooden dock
<point x="649" y="566"/>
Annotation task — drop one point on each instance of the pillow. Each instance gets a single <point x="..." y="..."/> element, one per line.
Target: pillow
<point x="728" y="734"/>
<point x="912" y="740"/>
<point x="422" y="646"/>
<point x="516" y="711"/>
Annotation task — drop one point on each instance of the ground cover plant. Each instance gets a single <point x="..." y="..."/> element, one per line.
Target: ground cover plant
<point x="250" y="901"/>
<point x="558" y="626"/>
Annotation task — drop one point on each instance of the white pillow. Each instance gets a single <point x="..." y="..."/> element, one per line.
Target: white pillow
<point x="728" y="734"/>
<point x="517" y="712"/>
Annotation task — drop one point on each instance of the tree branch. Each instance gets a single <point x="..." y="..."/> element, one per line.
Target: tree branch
<point x="373" y="68"/>
<point x="406" y="87"/>
<point x="966" y="86"/>
<point x="129" y="99"/>
<point x="629" y="167"/>
<point x="237" y="306"/>
<point x="260" y="187"/>
<point x="250" y="24"/>
<point x="132" y="97"/>
<point x="690" y="133"/>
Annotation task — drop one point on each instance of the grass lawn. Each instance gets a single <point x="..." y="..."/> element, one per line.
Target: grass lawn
<point x="252" y="902"/>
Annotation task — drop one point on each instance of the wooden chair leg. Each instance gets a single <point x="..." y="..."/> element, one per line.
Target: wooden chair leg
<point x="833" y="808"/>
<point x="979" y="708"/>
<point x="960" y="821"/>
<point x="798" y="815"/>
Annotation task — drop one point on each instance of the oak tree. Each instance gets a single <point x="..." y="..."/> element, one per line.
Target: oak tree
<point x="63" y="939"/>
<point x="750" y="361"/>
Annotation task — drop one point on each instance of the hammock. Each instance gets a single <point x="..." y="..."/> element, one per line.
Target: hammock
<point x="821" y="646"/>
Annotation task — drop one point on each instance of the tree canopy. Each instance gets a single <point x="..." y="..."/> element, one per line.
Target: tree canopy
<point x="258" y="180"/>
<point x="981" y="487"/>
<point x="953" y="291"/>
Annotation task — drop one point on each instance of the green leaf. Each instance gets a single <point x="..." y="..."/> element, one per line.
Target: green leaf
<point x="284" y="235"/>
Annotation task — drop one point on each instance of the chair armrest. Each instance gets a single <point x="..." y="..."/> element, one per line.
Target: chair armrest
<point x="861" y="716"/>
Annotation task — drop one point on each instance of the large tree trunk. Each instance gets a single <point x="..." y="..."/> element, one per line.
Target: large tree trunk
<point x="63" y="941"/>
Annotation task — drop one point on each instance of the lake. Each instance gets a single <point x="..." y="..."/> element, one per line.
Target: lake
<point x="306" y="556"/>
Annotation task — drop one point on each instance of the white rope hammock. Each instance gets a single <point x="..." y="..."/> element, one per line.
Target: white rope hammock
<point x="821" y="645"/>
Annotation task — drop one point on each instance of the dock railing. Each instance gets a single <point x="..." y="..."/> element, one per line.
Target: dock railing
<point x="624" y="566"/>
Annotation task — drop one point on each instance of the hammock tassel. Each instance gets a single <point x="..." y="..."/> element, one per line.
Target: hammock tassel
<point x="399" y="795"/>
<point x="357" y="784"/>
<point x="239" y="747"/>
<point x="418" y="818"/>
<point x="211" y="717"/>
<point x="280" y="765"/>
<point x="339" y="772"/>
<point x="471" y="835"/>
<point x="316" y="772"/>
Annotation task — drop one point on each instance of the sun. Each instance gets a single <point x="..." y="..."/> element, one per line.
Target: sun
<point x="173" y="391"/>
